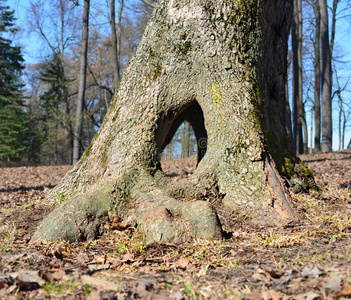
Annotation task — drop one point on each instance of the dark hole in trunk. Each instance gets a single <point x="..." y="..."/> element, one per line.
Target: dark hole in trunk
<point x="177" y="158"/>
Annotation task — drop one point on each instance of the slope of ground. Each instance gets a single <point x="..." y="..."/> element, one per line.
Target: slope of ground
<point x="308" y="259"/>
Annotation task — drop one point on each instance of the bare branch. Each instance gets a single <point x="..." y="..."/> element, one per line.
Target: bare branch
<point x="97" y="83"/>
<point x="153" y="5"/>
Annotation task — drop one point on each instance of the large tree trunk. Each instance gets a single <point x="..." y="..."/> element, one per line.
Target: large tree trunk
<point x="221" y="65"/>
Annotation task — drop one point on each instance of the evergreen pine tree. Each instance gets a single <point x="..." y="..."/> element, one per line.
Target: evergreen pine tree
<point x="56" y="105"/>
<point x="13" y="124"/>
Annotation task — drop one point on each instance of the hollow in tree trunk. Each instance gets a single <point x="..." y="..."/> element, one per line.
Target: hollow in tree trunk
<point x="221" y="66"/>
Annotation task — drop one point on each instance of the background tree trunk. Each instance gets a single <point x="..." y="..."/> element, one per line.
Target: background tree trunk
<point x="295" y="84"/>
<point x="116" y="40"/>
<point x="185" y="140"/>
<point x="301" y="106"/>
<point x="221" y="65"/>
<point x="287" y="104"/>
<point x="327" y="124"/>
<point x="82" y="82"/>
<point x="317" y="78"/>
<point x="333" y="28"/>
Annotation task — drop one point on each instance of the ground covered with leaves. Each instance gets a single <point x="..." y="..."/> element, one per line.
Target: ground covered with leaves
<point x="307" y="259"/>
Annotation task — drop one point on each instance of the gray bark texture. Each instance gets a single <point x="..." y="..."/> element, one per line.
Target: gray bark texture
<point x="327" y="122"/>
<point x="317" y="79"/>
<point x="185" y="140"/>
<point x="221" y="65"/>
<point x="114" y="43"/>
<point x="295" y="81"/>
<point x="116" y="38"/>
<point x="301" y="106"/>
<point x="287" y="104"/>
<point x="82" y="83"/>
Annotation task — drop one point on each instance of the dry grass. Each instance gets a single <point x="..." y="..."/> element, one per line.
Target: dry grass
<point x="252" y="263"/>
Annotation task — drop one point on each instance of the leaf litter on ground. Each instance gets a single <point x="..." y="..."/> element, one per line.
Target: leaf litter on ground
<point x="308" y="259"/>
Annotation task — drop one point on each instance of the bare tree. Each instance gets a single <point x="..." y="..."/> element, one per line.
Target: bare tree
<point x="299" y="115"/>
<point x="150" y="3"/>
<point x="82" y="82"/>
<point x="295" y="83"/>
<point x="116" y="38"/>
<point x="327" y="122"/>
<point x="56" y="24"/>
<point x="317" y="77"/>
<point x="185" y="139"/>
<point x="287" y="104"/>
<point x="303" y="142"/>
<point x="344" y="109"/>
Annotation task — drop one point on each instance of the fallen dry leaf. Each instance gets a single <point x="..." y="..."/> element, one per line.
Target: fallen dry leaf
<point x="311" y="271"/>
<point x="345" y="292"/>
<point x="255" y="296"/>
<point x="307" y="296"/>
<point x="221" y="269"/>
<point x="99" y="283"/>
<point x="99" y="260"/>
<point x="82" y="257"/>
<point x="28" y="280"/>
<point x="273" y="294"/>
<point x="54" y="274"/>
<point x="182" y="263"/>
<point x="119" y="224"/>
<point x="334" y="284"/>
<point x="128" y="256"/>
<point x="99" y="267"/>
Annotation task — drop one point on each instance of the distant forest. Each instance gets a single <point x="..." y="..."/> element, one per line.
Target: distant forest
<point x="38" y="101"/>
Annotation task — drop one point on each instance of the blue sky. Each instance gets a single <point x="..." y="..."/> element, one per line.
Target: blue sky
<point x="29" y="44"/>
<point x="33" y="47"/>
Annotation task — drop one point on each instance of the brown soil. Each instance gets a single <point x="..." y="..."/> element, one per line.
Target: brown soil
<point x="307" y="259"/>
<point x="179" y="167"/>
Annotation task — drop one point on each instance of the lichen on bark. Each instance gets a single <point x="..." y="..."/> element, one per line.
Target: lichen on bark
<point x="219" y="65"/>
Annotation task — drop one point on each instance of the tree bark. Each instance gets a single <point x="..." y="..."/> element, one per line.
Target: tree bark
<point x="287" y="104"/>
<point x="327" y="123"/>
<point x="317" y="78"/>
<point x="82" y="83"/>
<point x="185" y="140"/>
<point x="221" y="65"/>
<point x="116" y="41"/>
<point x="303" y="141"/>
<point x="333" y="27"/>
<point x="149" y="3"/>
<point x="342" y="115"/>
<point x="341" y="142"/>
<point x="295" y="83"/>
